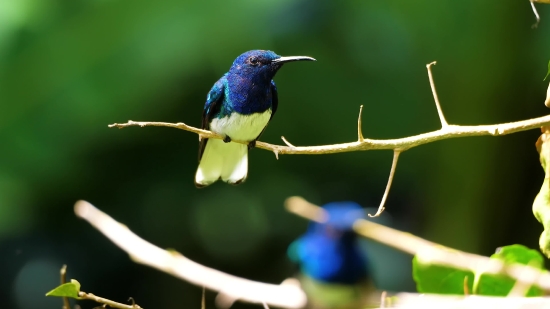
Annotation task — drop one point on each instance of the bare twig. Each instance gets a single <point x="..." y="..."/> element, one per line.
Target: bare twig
<point x="287" y="142"/>
<point x="360" y="137"/>
<point x="203" y="300"/>
<point x="63" y="273"/>
<point x="436" y="98"/>
<point x="401" y="144"/>
<point x="536" y="24"/>
<point x="175" y="264"/>
<point x="388" y="185"/>
<point x="432" y="253"/>
<point x="105" y="301"/>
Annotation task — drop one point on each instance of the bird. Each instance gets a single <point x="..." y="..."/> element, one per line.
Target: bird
<point x="239" y="106"/>
<point x="334" y="270"/>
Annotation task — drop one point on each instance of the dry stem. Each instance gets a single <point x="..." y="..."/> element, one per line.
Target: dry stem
<point x="108" y="302"/>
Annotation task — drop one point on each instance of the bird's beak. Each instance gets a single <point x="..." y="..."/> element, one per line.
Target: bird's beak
<point x="292" y="58"/>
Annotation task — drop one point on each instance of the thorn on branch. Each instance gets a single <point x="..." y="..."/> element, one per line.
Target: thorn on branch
<point x="388" y="185"/>
<point x="287" y="142"/>
<point x="359" y="127"/>
<point x="535" y="25"/>
<point x="436" y="99"/>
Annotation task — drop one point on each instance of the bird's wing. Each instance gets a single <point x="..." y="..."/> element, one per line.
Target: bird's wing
<point x="274" y="99"/>
<point x="213" y="104"/>
<point x="274" y="104"/>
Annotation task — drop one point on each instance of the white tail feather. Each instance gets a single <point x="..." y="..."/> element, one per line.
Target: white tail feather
<point x="228" y="161"/>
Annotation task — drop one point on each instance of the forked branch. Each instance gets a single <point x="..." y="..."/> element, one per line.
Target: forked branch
<point x="175" y="264"/>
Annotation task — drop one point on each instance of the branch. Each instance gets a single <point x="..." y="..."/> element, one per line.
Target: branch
<point x="535" y="25"/>
<point x="401" y="144"/>
<point x="63" y="275"/>
<point x="388" y="185"/>
<point x="436" y="98"/>
<point x="429" y="252"/>
<point x="108" y="302"/>
<point x="175" y="264"/>
<point x="362" y="144"/>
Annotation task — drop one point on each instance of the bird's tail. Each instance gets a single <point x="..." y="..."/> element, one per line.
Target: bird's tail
<point x="228" y="161"/>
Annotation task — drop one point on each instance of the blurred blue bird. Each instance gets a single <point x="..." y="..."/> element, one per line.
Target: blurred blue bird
<point x="239" y="106"/>
<point x="334" y="270"/>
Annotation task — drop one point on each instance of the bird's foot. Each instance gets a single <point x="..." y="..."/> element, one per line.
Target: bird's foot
<point x="227" y="139"/>
<point x="251" y="144"/>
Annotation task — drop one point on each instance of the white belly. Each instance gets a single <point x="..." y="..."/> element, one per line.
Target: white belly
<point x="241" y="127"/>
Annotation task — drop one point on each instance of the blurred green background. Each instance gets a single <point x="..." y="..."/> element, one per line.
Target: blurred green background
<point x="70" y="68"/>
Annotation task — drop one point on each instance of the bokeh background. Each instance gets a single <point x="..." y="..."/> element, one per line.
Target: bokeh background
<point x="70" y="68"/>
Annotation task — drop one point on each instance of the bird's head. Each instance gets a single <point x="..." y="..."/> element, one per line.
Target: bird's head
<point x="341" y="216"/>
<point x="262" y="64"/>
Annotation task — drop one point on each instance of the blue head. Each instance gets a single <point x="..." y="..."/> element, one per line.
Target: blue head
<point x="329" y="251"/>
<point x="261" y="65"/>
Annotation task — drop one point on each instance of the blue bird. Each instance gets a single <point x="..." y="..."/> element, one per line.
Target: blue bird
<point x="334" y="270"/>
<point x="239" y="106"/>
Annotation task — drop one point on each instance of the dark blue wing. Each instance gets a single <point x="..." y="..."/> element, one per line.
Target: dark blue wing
<point x="214" y="101"/>
<point x="274" y="99"/>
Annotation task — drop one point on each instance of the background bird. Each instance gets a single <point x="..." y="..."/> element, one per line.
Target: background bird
<point x="334" y="269"/>
<point x="239" y="106"/>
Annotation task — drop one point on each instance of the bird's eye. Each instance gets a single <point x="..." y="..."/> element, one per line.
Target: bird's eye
<point x="253" y="60"/>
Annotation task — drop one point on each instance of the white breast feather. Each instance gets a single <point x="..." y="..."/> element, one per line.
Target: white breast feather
<point x="241" y="127"/>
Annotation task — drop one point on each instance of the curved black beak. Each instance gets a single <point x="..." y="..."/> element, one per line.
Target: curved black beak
<point x="292" y="58"/>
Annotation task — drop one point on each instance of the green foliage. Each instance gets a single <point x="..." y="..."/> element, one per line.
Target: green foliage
<point x="446" y="280"/>
<point x="547" y="73"/>
<point x="69" y="289"/>
<point x="541" y="205"/>
<point x="499" y="285"/>
<point x="440" y="279"/>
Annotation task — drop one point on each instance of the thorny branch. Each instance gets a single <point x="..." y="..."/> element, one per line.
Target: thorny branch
<point x="362" y="144"/>
<point x="175" y="264"/>
<point x="429" y="252"/>
<point x="108" y="302"/>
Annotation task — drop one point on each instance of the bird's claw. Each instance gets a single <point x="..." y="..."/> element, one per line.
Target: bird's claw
<point x="251" y="144"/>
<point x="227" y="139"/>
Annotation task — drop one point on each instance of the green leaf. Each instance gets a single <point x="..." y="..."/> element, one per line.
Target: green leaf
<point x="548" y="73"/>
<point x="70" y="289"/>
<point x="446" y="280"/>
<point x="440" y="279"/>
<point x="500" y="285"/>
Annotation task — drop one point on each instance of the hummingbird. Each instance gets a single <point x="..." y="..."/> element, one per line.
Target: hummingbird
<point x="239" y="106"/>
<point x="334" y="269"/>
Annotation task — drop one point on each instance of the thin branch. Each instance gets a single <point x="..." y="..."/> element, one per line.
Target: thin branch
<point x="535" y="25"/>
<point x="436" y="98"/>
<point x="203" y="300"/>
<point x="388" y="185"/>
<point x="108" y="302"/>
<point x="401" y="144"/>
<point x="432" y="253"/>
<point x="63" y="275"/>
<point x="287" y="142"/>
<point x="360" y="137"/>
<point x="175" y="264"/>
